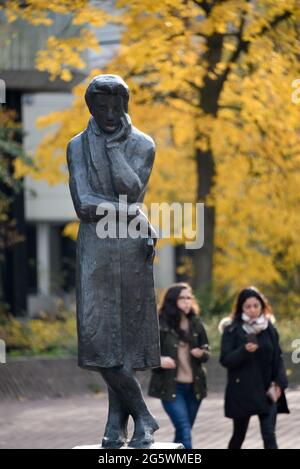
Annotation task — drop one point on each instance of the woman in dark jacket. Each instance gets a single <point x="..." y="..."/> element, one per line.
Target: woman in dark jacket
<point x="251" y="353"/>
<point x="180" y="382"/>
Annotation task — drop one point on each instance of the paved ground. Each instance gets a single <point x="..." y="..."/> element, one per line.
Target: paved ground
<point x="65" y="423"/>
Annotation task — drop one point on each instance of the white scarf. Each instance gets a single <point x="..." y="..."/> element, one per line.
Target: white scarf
<point x="254" y="326"/>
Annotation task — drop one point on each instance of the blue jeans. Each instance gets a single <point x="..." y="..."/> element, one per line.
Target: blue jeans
<point x="183" y="412"/>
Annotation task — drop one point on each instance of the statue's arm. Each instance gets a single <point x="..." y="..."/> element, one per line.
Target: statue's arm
<point x="84" y="199"/>
<point x="131" y="179"/>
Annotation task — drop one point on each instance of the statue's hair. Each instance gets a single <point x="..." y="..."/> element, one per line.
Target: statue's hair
<point x="107" y="84"/>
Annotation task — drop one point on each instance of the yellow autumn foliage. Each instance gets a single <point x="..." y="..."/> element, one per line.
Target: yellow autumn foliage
<point x="171" y="54"/>
<point x="39" y="336"/>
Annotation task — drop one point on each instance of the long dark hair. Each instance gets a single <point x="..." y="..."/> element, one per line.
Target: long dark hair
<point x="171" y="314"/>
<point x="246" y="293"/>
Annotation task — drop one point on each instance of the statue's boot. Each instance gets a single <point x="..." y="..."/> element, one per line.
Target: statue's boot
<point x="125" y="385"/>
<point x="115" y="435"/>
<point x="143" y="432"/>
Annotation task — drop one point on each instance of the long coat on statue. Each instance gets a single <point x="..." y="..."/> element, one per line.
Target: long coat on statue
<point x="116" y="307"/>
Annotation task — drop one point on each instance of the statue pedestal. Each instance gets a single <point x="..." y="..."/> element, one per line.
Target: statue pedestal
<point x="155" y="446"/>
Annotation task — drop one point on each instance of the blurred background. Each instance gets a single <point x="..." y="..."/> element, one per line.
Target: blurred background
<point x="217" y="85"/>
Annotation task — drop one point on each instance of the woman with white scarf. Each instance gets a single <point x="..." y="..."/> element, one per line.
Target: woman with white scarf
<point x="251" y="353"/>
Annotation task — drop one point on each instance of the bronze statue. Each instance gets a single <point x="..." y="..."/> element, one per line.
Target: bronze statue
<point x="116" y="306"/>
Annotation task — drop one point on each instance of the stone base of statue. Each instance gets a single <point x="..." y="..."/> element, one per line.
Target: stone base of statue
<point x="155" y="446"/>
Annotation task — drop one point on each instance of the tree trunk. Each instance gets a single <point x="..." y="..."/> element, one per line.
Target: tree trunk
<point x="208" y="102"/>
<point x="203" y="258"/>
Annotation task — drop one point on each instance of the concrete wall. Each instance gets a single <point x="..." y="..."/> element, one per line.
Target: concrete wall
<point x="60" y="377"/>
<point x="44" y="203"/>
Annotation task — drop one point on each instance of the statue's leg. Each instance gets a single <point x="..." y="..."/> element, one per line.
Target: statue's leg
<point x="115" y="434"/>
<point x="126" y="386"/>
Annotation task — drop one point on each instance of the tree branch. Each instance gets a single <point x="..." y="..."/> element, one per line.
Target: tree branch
<point x="243" y="45"/>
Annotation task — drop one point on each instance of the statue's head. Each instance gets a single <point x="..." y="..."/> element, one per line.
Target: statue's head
<point x="107" y="98"/>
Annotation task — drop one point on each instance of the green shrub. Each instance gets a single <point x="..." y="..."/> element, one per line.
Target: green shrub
<point x="45" y="335"/>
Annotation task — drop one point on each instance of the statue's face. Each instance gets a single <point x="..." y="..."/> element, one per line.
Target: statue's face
<point x="107" y="111"/>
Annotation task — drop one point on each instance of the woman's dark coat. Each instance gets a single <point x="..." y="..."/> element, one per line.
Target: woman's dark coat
<point x="246" y="386"/>
<point x="163" y="381"/>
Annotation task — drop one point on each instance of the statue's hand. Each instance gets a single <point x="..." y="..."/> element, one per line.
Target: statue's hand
<point x="150" y="250"/>
<point x="122" y="133"/>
